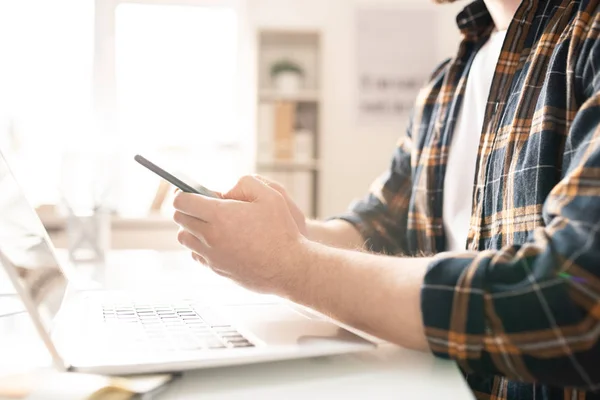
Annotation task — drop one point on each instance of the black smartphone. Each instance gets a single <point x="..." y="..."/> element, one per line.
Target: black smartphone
<point x="172" y="179"/>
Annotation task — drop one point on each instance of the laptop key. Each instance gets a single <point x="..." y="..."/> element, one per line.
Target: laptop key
<point x="202" y="334"/>
<point x="213" y="345"/>
<point x="194" y="324"/>
<point x="238" y="339"/>
<point x="229" y="334"/>
<point x="150" y="321"/>
<point x="242" y="345"/>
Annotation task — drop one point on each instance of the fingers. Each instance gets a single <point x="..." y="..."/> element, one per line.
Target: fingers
<point x="192" y="225"/>
<point x="197" y="206"/>
<point x="190" y="241"/>
<point x="250" y="189"/>
<point x="201" y="260"/>
<point x="198" y="258"/>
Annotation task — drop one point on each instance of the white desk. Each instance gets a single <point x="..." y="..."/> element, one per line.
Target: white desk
<point x="388" y="372"/>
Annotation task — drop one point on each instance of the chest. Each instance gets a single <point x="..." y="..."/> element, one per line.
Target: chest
<point x="523" y="140"/>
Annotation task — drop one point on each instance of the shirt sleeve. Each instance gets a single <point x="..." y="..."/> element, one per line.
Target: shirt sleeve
<point x="381" y="216"/>
<point x="531" y="312"/>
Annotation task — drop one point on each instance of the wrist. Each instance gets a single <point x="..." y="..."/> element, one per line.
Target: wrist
<point x="300" y="264"/>
<point x="335" y="233"/>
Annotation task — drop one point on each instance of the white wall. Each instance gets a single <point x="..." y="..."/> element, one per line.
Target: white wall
<point x="351" y="156"/>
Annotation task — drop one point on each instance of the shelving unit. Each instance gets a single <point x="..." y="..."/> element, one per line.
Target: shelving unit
<point x="288" y="128"/>
<point x="311" y="165"/>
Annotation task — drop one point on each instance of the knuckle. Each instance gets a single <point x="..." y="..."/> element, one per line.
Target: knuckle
<point x="278" y="187"/>
<point x="181" y="236"/>
<point x="176" y="216"/>
<point x="203" y="261"/>
<point x="276" y="196"/>
<point x="219" y="272"/>
<point x="178" y="201"/>
<point x="261" y="178"/>
<point x="283" y="194"/>
<point x="246" y="179"/>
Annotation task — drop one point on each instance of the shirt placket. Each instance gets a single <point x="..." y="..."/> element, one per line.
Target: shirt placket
<point x="508" y="63"/>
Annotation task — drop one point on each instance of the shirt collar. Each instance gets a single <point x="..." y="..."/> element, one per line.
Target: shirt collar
<point x="475" y="21"/>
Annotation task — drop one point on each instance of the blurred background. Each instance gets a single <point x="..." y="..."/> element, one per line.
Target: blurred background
<point x="312" y="93"/>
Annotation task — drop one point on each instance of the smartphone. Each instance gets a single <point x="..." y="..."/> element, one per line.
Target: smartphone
<point x="172" y="179"/>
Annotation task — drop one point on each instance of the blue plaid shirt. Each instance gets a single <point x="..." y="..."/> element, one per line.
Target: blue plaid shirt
<point x="519" y="310"/>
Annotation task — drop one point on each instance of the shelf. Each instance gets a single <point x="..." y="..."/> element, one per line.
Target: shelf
<point x="302" y="96"/>
<point x="281" y="165"/>
<point x="281" y="115"/>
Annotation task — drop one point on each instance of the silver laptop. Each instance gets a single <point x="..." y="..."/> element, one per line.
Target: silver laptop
<point x="122" y="333"/>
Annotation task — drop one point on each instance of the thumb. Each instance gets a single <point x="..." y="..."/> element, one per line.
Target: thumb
<point x="249" y="189"/>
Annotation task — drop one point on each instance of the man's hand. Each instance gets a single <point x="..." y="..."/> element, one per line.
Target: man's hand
<point x="335" y="233"/>
<point x="252" y="237"/>
<point x="249" y="236"/>
<point x="298" y="215"/>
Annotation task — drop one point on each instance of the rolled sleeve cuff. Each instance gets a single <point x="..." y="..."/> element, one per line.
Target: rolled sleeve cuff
<point x="452" y="305"/>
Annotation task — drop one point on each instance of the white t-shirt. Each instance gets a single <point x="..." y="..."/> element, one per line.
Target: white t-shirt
<point x="462" y="157"/>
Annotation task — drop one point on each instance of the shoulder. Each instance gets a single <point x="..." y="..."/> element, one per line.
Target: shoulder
<point x="440" y="70"/>
<point x="429" y="92"/>
<point x="423" y="110"/>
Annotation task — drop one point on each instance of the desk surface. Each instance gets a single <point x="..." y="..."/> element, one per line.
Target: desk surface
<point x="387" y="372"/>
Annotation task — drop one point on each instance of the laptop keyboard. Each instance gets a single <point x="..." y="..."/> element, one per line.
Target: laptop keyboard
<point x="168" y="327"/>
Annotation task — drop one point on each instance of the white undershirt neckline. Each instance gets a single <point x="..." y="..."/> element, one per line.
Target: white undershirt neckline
<point x="462" y="156"/>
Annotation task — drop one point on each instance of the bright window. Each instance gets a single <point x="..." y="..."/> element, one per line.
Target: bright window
<point x="158" y="79"/>
<point x="176" y="70"/>
<point x="46" y="69"/>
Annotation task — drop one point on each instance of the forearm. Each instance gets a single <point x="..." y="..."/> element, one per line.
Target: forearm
<point x="335" y="233"/>
<point x="376" y="294"/>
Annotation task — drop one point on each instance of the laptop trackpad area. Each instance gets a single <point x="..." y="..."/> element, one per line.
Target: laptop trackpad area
<point x="284" y="325"/>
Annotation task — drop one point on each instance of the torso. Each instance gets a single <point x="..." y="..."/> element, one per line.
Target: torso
<point x="462" y="156"/>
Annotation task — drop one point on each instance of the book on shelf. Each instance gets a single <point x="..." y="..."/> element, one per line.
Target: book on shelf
<point x="279" y="138"/>
<point x="265" y="132"/>
<point x="302" y="192"/>
<point x="285" y="118"/>
<point x="303" y="146"/>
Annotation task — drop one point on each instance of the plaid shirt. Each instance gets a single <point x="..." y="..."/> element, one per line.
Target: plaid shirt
<point x="519" y="310"/>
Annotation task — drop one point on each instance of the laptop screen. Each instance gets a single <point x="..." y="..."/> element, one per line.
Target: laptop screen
<point x="27" y="250"/>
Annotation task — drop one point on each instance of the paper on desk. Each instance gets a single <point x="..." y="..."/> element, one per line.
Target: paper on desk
<point x="71" y="386"/>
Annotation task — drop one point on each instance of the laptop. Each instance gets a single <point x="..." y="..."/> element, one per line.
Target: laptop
<point x="127" y="333"/>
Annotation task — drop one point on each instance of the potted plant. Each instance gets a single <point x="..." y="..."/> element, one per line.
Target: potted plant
<point x="287" y="76"/>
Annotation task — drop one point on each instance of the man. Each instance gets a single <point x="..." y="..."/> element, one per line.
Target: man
<point x="482" y="241"/>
